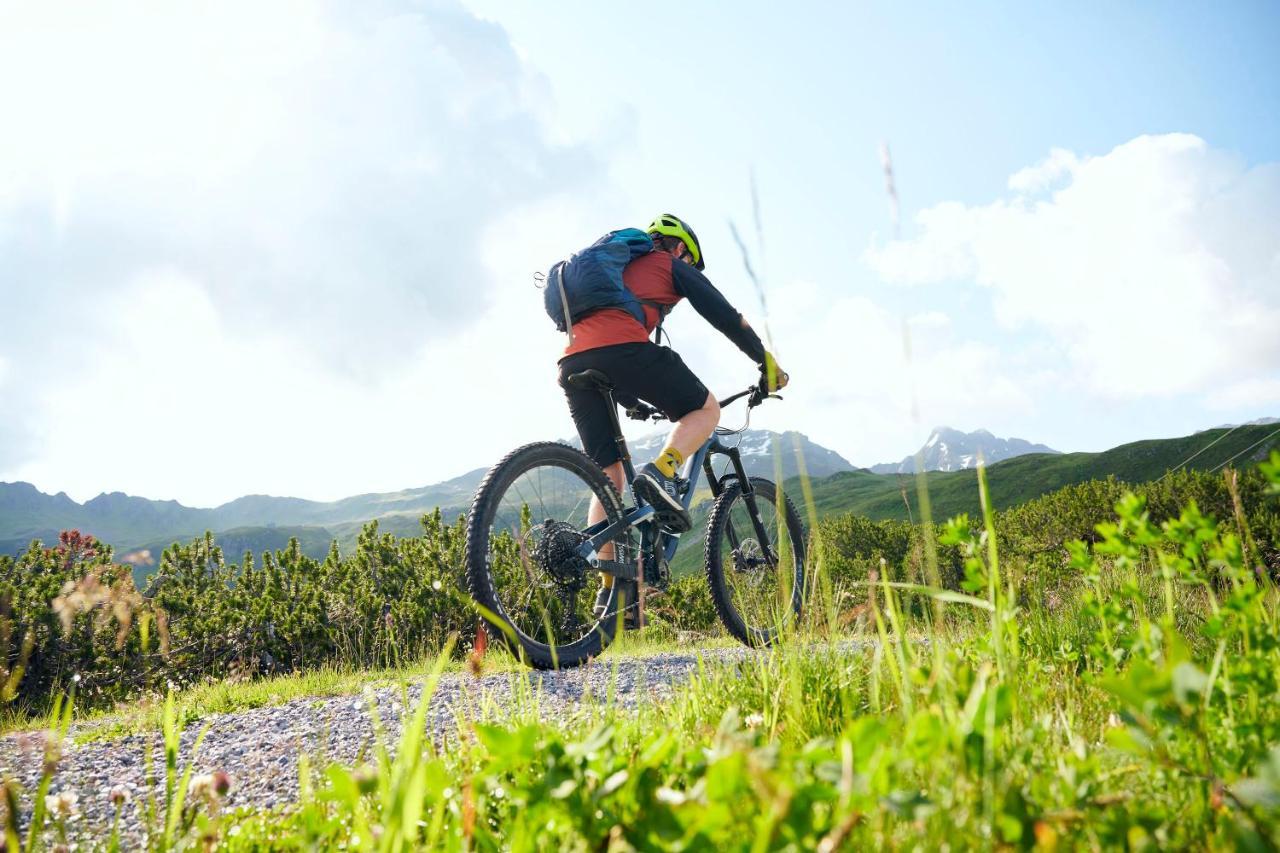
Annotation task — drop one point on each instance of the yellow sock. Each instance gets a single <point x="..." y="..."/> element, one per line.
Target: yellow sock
<point x="668" y="461"/>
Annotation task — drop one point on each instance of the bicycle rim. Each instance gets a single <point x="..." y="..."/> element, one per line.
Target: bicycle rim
<point x="533" y="517"/>
<point x="760" y="577"/>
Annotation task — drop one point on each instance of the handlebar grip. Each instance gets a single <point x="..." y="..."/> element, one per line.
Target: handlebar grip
<point x="641" y="412"/>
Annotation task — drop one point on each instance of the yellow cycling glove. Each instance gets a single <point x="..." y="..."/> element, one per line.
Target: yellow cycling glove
<point x="772" y="377"/>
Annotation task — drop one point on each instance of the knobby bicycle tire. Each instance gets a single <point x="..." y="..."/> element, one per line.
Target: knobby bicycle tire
<point x="721" y="595"/>
<point x="480" y="578"/>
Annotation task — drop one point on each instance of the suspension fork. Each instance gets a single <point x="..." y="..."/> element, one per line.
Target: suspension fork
<point x="748" y="495"/>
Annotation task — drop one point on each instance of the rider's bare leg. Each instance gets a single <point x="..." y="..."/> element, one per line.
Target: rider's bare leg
<point x="596" y="513"/>
<point x="695" y="428"/>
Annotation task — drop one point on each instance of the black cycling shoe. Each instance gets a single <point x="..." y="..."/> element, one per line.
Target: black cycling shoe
<point x="663" y="493"/>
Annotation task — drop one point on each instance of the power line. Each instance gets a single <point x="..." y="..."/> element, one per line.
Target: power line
<point x="1247" y="449"/>
<point x="1201" y="450"/>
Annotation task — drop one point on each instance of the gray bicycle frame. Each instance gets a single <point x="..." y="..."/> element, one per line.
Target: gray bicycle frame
<point x="603" y="532"/>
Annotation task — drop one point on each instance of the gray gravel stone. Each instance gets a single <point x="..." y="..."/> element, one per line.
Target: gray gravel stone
<point x="259" y="748"/>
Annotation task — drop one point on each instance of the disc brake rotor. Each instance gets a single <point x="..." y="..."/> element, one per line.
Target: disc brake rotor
<point x="749" y="556"/>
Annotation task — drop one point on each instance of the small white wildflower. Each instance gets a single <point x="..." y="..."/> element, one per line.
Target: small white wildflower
<point x="498" y="793"/>
<point x="76" y="678"/>
<point x="1113" y="720"/>
<point x="755" y="721"/>
<point x="65" y="804"/>
<point x="435" y="585"/>
<point x="202" y="785"/>
<point x="447" y="792"/>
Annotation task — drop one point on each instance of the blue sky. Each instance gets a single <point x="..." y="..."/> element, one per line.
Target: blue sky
<point x="320" y="221"/>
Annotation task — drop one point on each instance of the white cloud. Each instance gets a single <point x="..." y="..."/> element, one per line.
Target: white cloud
<point x="861" y="390"/>
<point x="930" y="320"/>
<point x="256" y="239"/>
<point x="283" y="161"/>
<point x="1059" y="164"/>
<point x="294" y="428"/>
<point x="1251" y="394"/>
<point x="1156" y="266"/>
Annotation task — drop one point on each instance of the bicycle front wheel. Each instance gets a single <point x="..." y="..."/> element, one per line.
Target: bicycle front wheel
<point x="755" y="562"/>
<point x="523" y="568"/>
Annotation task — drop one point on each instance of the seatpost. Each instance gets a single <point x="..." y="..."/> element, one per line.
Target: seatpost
<point x="619" y="439"/>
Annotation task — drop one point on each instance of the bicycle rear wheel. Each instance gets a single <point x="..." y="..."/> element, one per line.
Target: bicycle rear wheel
<point x="757" y="582"/>
<point x="522" y="564"/>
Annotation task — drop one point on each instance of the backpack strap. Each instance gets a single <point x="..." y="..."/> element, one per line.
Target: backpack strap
<point x="564" y="301"/>
<point x="663" y="311"/>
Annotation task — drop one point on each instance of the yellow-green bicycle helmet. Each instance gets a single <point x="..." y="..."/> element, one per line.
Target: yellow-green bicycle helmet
<point x="674" y="226"/>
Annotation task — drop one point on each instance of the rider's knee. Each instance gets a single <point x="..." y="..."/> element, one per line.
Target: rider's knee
<point x="712" y="407"/>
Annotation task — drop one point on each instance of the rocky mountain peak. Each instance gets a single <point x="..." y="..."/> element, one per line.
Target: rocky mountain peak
<point x="949" y="449"/>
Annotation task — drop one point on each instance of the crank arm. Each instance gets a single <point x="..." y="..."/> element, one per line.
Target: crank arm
<point x="626" y="571"/>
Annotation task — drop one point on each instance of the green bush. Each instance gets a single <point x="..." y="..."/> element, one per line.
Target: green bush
<point x="66" y="611"/>
<point x="72" y="612"/>
<point x="1035" y="536"/>
<point x="392" y="599"/>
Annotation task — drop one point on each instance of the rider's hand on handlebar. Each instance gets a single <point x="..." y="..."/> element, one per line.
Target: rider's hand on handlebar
<point x="772" y="377"/>
<point x="640" y="411"/>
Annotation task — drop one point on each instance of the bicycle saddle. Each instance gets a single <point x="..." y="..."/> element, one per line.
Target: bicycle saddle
<point x="590" y="379"/>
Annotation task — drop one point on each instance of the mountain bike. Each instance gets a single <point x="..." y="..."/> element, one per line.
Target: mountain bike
<point x="534" y="562"/>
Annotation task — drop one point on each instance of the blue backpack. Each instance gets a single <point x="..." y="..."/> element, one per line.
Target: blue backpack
<point x="592" y="279"/>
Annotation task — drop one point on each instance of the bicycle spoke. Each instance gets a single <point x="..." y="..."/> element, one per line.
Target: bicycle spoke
<point x="547" y="592"/>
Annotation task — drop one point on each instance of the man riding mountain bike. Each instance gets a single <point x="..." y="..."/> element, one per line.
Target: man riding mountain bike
<point x="614" y="341"/>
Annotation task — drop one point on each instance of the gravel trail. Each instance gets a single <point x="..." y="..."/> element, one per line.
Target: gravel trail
<point x="259" y="748"/>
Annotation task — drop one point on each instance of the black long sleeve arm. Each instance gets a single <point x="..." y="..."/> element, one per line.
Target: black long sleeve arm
<point x="715" y="309"/>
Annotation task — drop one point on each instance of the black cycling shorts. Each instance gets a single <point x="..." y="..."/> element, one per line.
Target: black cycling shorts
<point x="654" y="374"/>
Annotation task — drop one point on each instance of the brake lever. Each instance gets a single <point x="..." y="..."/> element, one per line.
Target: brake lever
<point x="758" y="396"/>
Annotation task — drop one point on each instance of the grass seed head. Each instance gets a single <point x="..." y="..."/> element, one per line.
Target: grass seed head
<point x="65" y="804"/>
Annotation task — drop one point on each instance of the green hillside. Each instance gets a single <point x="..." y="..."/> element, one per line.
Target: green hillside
<point x="1016" y="481"/>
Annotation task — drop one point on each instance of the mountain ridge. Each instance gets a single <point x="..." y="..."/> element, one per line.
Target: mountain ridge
<point x="136" y="523"/>
<point x="949" y="449"/>
<point x="26" y="513"/>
